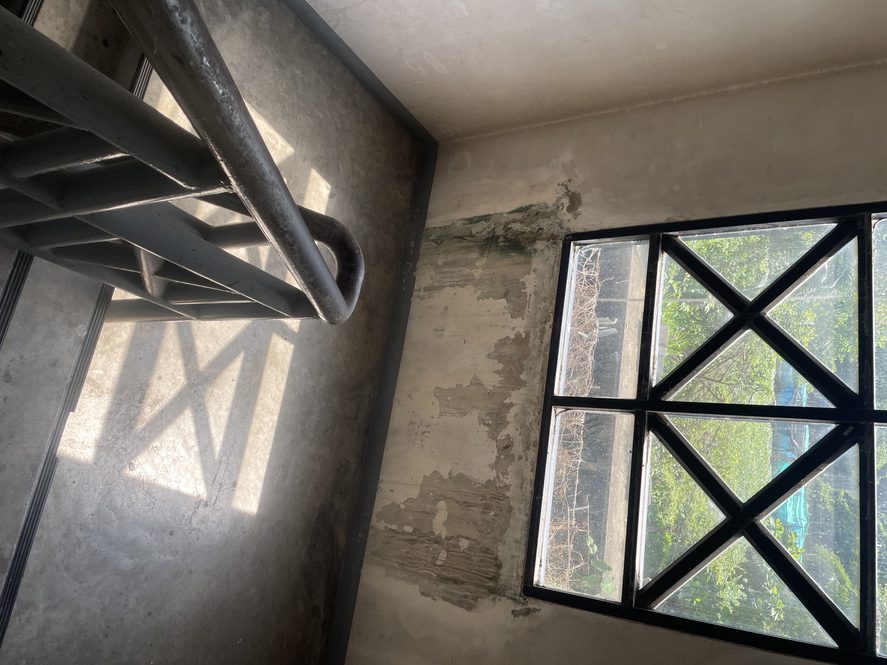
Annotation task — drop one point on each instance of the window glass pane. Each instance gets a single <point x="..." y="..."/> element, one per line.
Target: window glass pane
<point x="602" y="321"/>
<point x="687" y="315"/>
<point x="738" y="589"/>
<point x="748" y="453"/>
<point x="585" y="504"/>
<point x="819" y="526"/>
<point x="881" y="491"/>
<point x="879" y="241"/>
<point x="822" y="314"/>
<point x="749" y="371"/>
<point x="750" y="259"/>
<point x="679" y="512"/>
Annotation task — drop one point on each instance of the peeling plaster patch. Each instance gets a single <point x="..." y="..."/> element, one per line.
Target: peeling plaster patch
<point x="489" y="252"/>
<point x="449" y="539"/>
<point x="469" y="568"/>
<point x="492" y="403"/>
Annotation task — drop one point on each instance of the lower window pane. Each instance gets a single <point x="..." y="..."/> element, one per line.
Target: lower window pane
<point x="679" y="512"/>
<point x="738" y="589"/>
<point x="585" y="505"/>
<point x="881" y="489"/>
<point x="819" y="526"/>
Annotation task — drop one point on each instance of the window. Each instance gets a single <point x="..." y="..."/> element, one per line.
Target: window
<point x="713" y="454"/>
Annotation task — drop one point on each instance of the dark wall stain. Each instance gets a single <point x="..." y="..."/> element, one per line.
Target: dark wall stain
<point x="525" y="611"/>
<point x="569" y="200"/>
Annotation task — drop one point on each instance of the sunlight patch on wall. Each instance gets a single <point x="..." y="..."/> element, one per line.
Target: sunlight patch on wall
<point x="269" y="401"/>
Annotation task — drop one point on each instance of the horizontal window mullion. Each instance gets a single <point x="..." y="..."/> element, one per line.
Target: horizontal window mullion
<point x="767" y="411"/>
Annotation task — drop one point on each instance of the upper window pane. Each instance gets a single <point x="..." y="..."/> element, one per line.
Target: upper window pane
<point x="750" y="259"/>
<point x="822" y="314"/>
<point x="879" y="241"/>
<point x="748" y="453"/>
<point x="687" y="315"/>
<point x="749" y="371"/>
<point x="602" y="319"/>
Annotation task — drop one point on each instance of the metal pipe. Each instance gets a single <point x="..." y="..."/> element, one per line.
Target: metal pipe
<point x="126" y="281"/>
<point x="176" y="41"/>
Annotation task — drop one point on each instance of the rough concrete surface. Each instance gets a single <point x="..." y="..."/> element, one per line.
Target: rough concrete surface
<point x="208" y="477"/>
<point x="443" y="572"/>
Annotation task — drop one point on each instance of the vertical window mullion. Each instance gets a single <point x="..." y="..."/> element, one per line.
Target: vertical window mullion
<point x="867" y="465"/>
<point x="636" y="478"/>
<point x="555" y="350"/>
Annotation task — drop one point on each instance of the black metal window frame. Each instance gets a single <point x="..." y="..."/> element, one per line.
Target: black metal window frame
<point x="854" y="415"/>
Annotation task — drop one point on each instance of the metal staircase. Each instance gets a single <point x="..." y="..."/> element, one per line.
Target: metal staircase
<point x="88" y="172"/>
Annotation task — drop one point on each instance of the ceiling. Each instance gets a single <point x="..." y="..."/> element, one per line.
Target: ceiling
<point x="467" y="67"/>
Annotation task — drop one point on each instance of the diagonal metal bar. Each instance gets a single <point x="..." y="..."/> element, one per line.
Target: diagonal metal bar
<point x="705" y="274"/>
<point x="100" y="105"/>
<point x="18" y="103"/>
<point x="825" y="248"/>
<point x="749" y="313"/>
<point x="129" y="183"/>
<point x="60" y="233"/>
<point x="143" y="310"/>
<point x="817" y="602"/>
<point x="117" y="278"/>
<point x="695" y="465"/>
<point x="56" y="149"/>
<point x="811" y="462"/>
<point x="832" y="388"/>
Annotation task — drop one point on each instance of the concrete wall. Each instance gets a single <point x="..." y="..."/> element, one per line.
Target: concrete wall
<point x="208" y="478"/>
<point x="442" y="576"/>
